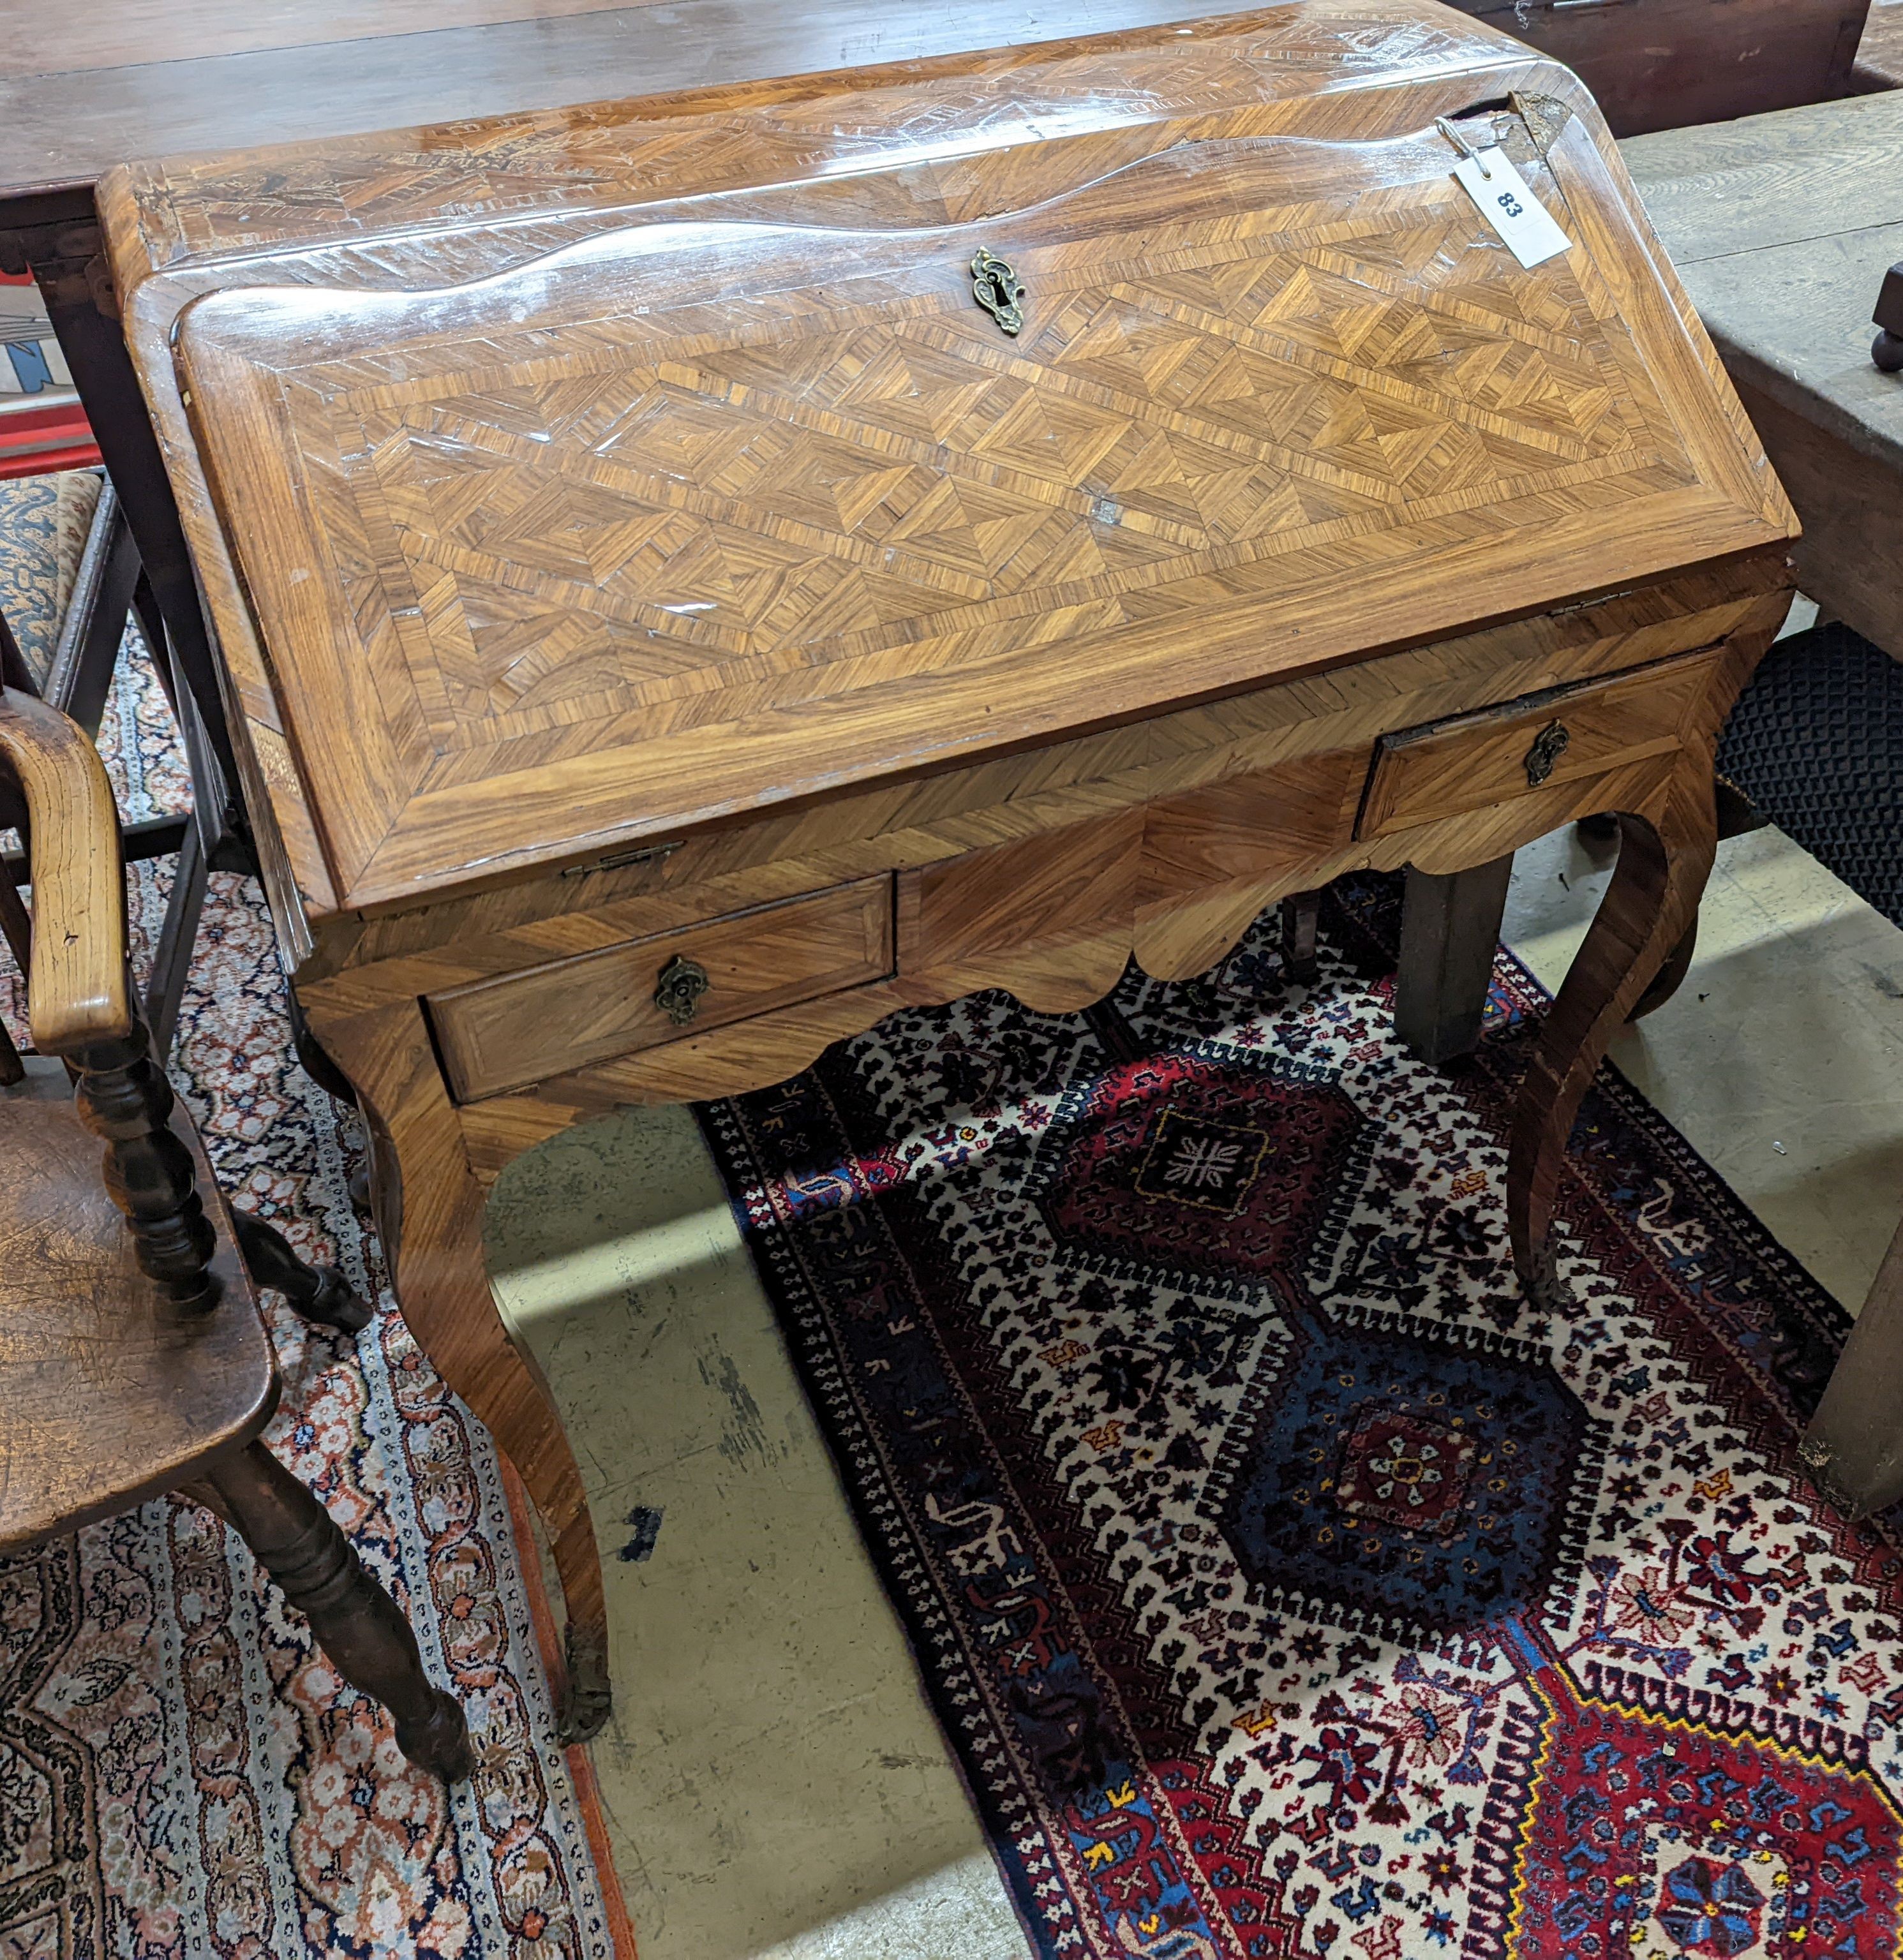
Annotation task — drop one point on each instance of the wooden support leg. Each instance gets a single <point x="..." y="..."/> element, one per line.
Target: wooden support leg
<point x="81" y="673"/>
<point x="319" y="1294"/>
<point x="356" y="1622"/>
<point x="1301" y="927"/>
<point x="172" y="956"/>
<point x="66" y="261"/>
<point x="151" y="624"/>
<point x="317" y="1064"/>
<point x="1665" y="857"/>
<point x="1670" y="977"/>
<point x="1450" y="931"/>
<point x="429" y="1210"/>
<point x="1854" y="1449"/>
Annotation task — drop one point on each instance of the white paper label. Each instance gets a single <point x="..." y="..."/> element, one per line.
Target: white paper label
<point x="1519" y="217"/>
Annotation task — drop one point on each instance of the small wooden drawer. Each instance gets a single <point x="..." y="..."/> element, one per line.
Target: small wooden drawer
<point x="1555" y="745"/>
<point x="522" y="1028"/>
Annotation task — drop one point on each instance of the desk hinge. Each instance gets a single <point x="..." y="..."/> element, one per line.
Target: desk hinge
<point x="645" y="854"/>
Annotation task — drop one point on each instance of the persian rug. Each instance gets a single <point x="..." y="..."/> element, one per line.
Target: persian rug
<point x="181" y="1774"/>
<point x="1285" y="1584"/>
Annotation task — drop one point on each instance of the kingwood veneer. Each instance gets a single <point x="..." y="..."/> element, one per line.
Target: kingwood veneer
<point x="671" y="624"/>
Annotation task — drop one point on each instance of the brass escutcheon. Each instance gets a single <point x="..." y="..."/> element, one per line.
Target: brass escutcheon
<point x="995" y="287"/>
<point x="1549" y="746"/>
<point x="678" y="995"/>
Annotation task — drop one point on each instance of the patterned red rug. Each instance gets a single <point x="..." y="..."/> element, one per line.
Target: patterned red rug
<point x="181" y="1774"/>
<point x="1285" y="1584"/>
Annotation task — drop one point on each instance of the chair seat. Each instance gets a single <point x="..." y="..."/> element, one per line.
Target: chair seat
<point x="108" y="1394"/>
<point x="1816" y="743"/>
<point x="48" y="518"/>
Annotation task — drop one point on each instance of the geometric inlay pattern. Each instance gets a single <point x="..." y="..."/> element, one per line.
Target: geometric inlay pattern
<point x="597" y="528"/>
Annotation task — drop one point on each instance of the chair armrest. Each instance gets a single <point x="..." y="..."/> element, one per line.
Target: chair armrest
<point x="78" y="991"/>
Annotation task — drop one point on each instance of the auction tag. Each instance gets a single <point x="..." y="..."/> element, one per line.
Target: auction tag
<point x="1506" y="203"/>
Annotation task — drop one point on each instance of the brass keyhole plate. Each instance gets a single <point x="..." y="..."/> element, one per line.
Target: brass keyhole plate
<point x="997" y="289"/>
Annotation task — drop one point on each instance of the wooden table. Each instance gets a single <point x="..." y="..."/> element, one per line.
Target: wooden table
<point x="1783" y="226"/>
<point x="1663" y="64"/>
<point x="705" y="629"/>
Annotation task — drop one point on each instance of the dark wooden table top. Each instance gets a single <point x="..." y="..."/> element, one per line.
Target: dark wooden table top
<point x="1781" y="226"/>
<point x="124" y="79"/>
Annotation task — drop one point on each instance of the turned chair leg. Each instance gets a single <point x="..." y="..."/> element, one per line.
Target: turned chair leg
<point x="319" y="1294"/>
<point x="355" y="1621"/>
<point x="1650" y="904"/>
<point x="124" y="1099"/>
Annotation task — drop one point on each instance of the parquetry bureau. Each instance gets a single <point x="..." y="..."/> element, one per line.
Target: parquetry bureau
<point x="697" y="573"/>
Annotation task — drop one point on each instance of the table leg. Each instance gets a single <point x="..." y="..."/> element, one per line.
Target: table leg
<point x="1854" y="1449"/>
<point x="1665" y="857"/>
<point x="1301" y="921"/>
<point x="65" y="260"/>
<point x="429" y="1208"/>
<point x="1449" y="932"/>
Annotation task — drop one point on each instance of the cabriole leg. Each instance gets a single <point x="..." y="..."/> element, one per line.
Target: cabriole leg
<point x="1665" y="858"/>
<point x="429" y="1208"/>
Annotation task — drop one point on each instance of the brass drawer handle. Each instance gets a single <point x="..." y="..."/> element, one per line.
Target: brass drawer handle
<point x="1549" y="746"/>
<point x="679" y="994"/>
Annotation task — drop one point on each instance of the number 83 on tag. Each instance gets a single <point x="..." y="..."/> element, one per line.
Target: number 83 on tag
<point x="1523" y="221"/>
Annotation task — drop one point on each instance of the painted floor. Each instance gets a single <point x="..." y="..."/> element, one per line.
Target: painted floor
<point x="774" y="1786"/>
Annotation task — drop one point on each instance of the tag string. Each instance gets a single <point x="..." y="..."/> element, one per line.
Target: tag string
<point x="1461" y="144"/>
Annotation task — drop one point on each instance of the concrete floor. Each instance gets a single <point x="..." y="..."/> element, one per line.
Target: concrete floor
<point x="775" y="1788"/>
